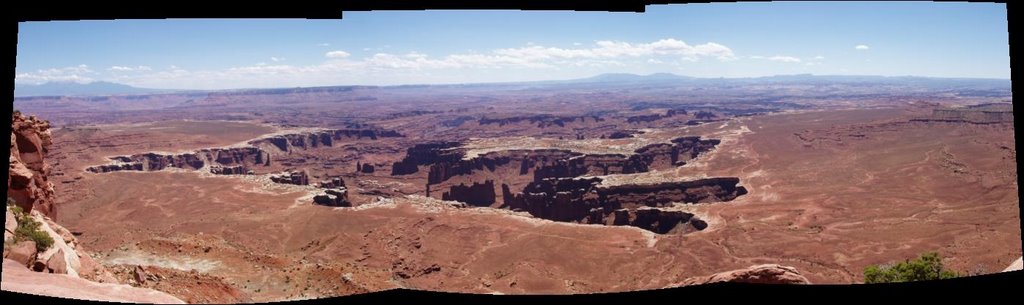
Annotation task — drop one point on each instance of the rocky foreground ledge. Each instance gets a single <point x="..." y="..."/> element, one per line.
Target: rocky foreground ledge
<point x="759" y="274"/>
<point x="17" y="278"/>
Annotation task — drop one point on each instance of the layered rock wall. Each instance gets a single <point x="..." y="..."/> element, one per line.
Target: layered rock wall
<point x="27" y="181"/>
<point x="583" y="200"/>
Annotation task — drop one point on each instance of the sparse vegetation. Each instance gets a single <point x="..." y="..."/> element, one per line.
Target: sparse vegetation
<point x="927" y="267"/>
<point x="28" y="228"/>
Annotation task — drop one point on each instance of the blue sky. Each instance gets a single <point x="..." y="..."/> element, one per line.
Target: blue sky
<point x="423" y="47"/>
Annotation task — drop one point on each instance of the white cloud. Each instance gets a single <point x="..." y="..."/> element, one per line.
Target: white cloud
<point x="611" y="49"/>
<point x="340" y="67"/>
<point x="861" y="47"/>
<point x="778" y="58"/>
<point x="337" y="54"/>
<point x="129" y="69"/>
<point x="323" y="44"/>
<point x="73" y="74"/>
<point x="784" y="58"/>
<point x="819" y="57"/>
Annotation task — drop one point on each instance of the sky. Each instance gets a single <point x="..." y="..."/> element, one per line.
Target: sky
<point x="473" y="46"/>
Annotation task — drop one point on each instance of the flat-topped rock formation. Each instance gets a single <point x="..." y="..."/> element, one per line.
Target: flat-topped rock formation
<point x="583" y="200"/>
<point x="323" y="138"/>
<point x="244" y="157"/>
<point x="425" y="154"/>
<point x="759" y="274"/>
<point x="334" y="197"/>
<point x="540" y="120"/>
<point x="296" y="178"/>
<point x="990" y="113"/>
<point x="229" y="170"/>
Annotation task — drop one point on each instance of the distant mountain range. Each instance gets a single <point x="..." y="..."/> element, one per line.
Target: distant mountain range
<point x="604" y="80"/>
<point x="73" y="88"/>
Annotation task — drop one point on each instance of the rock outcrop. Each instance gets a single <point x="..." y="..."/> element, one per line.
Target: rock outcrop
<point x="992" y="113"/>
<point x="556" y="163"/>
<point x="1015" y="266"/>
<point x="27" y="181"/>
<point x="334" y="193"/>
<point x="477" y="194"/>
<point x="334" y="197"/>
<point x="324" y="138"/>
<point x="583" y="200"/>
<point x="656" y="220"/>
<point x="367" y="169"/>
<point x="230" y="170"/>
<point x="620" y="135"/>
<point x="296" y="178"/>
<point x="332" y="183"/>
<point x="239" y="159"/>
<point x="17" y="278"/>
<point x="541" y="120"/>
<point x="705" y="115"/>
<point x="759" y="274"/>
<point x="426" y="154"/>
<point x="63" y="256"/>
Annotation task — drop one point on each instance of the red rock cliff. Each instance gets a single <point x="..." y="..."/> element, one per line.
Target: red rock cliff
<point x="26" y="179"/>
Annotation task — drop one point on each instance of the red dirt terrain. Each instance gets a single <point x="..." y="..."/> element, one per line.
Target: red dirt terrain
<point x="466" y="192"/>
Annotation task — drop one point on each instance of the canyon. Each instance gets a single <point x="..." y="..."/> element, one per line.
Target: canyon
<point x="286" y="194"/>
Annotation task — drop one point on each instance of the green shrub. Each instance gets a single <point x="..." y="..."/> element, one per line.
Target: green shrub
<point x="927" y="267"/>
<point x="28" y="228"/>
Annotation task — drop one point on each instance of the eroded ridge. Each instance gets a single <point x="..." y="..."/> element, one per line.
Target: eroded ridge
<point x="242" y="159"/>
<point x="584" y="200"/>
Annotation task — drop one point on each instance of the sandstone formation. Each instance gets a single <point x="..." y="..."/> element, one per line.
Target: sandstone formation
<point x="480" y="195"/>
<point x="583" y="200"/>
<point x="654" y="117"/>
<point x="296" y="178"/>
<point x="553" y="163"/>
<point x="549" y="190"/>
<point x="620" y="135"/>
<point x="335" y="193"/>
<point x="425" y="154"/>
<point x="334" y="197"/>
<point x="705" y="115"/>
<point x="238" y="158"/>
<point x="1017" y="265"/>
<point x="27" y="174"/>
<point x="17" y="278"/>
<point x="332" y="183"/>
<point x="366" y="169"/>
<point x="541" y="121"/>
<point x="991" y="113"/>
<point x="64" y="256"/>
<point x="230" y="170"/>
<point x="326" y="138"/>
<point x="759" y="274"/>
<point x="516" y="168"/>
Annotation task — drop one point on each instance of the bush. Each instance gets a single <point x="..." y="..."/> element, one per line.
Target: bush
<point x="927" y="267"/>
<point x="28" y="228"/>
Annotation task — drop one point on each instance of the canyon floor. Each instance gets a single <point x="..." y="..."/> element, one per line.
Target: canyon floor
<point x="828" y="189"/>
